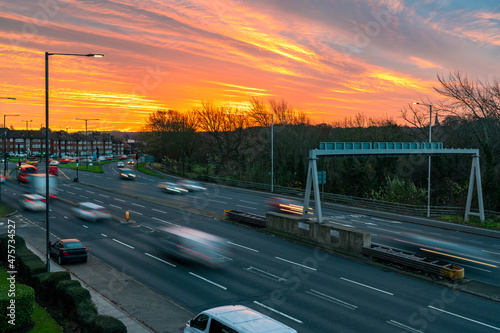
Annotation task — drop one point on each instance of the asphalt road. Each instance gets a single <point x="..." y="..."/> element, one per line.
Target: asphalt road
<point x="303" y="287"/>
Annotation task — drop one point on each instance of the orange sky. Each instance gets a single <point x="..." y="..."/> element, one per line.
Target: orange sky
<point x="329" y="59"/>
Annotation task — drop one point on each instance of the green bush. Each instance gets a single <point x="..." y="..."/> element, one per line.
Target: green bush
<point x="48" y="283"/>
<point x="28" y="269"/>
<point x="16" y="310"/>
<point x="107" y="324"/>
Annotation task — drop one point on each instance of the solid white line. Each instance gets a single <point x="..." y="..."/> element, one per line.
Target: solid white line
<point x="250" y="202"/>
<point x="85" y="226"/>
<point x="278" y="312"/>
<point x="244" y="247"/>
<point x="159" y="211"/>
<point x="138" y="205"/>
<point x="291" y="262"/>
<point x="207" y="280"/>
<point x="407" y="328"/>
<point x="119" y="200"/>
<point x="104" y="235"/>
<point x="103" y="195"/>
<point x="246" y="207"/>
<point x="331" y="299"/>
<point x="133" y="211"/>
<point x="163" y="261"/>
<point x="122" y="243"/>
<point x="115" y="206"/>
<point x="469" y="319"/>
<point x="364" y="285"/>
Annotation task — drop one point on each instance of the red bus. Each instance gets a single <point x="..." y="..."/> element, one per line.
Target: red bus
<point x="24" y="171"/>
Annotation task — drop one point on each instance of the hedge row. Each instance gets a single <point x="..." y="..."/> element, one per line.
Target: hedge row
<point x="56" y="289"/>
<point x="16" y="306"/>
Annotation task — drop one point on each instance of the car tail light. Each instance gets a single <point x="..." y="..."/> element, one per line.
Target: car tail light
<point x="85" y="250"/>
<point x="65" y="253"/>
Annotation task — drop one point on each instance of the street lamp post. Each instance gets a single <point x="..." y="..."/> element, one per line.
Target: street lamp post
<point x="27" y="134"/>
<point x="47" y="194"/>
<point x="4" y="143"/>
<point x="86" y="141"/>
<point x="429" y="175"/>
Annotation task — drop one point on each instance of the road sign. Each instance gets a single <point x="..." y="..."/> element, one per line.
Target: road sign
<point x="127" y="215"/>
<point x="321" y="177"/>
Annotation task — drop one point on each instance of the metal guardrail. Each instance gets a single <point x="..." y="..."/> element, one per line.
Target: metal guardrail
<point x="252" y="219"/>
<point x="410" y="260"/>
<point x="407" y="209"/>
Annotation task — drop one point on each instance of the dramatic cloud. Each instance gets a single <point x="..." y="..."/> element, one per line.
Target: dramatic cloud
<point x="330" y="59"/>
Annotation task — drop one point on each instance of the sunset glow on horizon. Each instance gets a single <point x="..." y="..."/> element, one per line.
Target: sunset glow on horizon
<point x="329" y="59"/>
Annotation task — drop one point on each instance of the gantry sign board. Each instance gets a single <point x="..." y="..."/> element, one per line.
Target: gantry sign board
<point x="387" y="149"/>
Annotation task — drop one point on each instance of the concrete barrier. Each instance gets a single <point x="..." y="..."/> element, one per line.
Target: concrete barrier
<point x="328" y="235"/>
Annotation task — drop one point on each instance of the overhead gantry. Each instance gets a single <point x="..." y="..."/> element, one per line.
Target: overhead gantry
<point x="387" y="149"/>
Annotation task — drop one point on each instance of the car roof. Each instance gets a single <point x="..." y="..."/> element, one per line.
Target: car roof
<point x="90" y="205"/>
<point x="248" y="320"/>
<point x="34" y="196"/>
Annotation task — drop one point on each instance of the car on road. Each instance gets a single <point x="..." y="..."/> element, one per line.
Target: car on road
<point x="130" y="162"/>
<point x="127" y="174"/>
<point x="191" y="185"/>
<point x="172" y="188"/>
<point x="33" y="202"/>
<point x="284" y="205"/>
<point x="66" y="250"/>
<point x="120" y="165"/>
<point x="54" y="162"/>
<point x="2" y="179"/>
<point x="91" y="212"/>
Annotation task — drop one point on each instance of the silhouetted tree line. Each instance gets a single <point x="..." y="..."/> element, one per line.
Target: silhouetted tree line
<point x="230" y="142"/>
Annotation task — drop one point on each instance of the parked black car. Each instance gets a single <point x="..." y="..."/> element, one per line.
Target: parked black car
<point x="67" y="250"/>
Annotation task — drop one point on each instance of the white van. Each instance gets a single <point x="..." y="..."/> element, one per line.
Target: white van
<point x="235" y="319"/>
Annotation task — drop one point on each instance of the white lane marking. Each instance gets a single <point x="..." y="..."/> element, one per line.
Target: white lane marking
<point x="497" y="253"/>
<point x="394" y="232"/>
<point x="161" y="260"/>
<point x="278" y="312"/>
<point x="99" y="201"/>
<point x="83" y="196"/>
<point x="265" y="274"/>
<point x="250" y="202"/>
<point x="125" y="244"/>
<point x="207" y="280"/>
<point x="89" y="191"/>
<point x="220" y="196"/>
<point x="244" y="247"/>
<point x="159" y="211"/>
<point x="388" y="221"/>
<point x="103" y="195"/>
<point x="115" y="206"/>
<point x="77" y="188"/>
<point x="367" y="286"/>
<point x="134" y="204"/>
<point x="163" y="221"/>
<point x="85" y="226"/>
<point x="469" y="319"/>
<point x="221" y="202"/>
<point x="246" y="207"/>
<point x="119" y="200"/>
<point x="66" y="217"/>
<point x="133" y="211"/>
<point x="104" y="235"/>
<point x="72" y="193"/>
<point x="331" y="299"/>
<point x="291" y="262"/>
<point x="406" y="328"/>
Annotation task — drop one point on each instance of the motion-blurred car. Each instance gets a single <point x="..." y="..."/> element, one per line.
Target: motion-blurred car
<point x="54" y="162"/>
<point x="120" y="165"/>
<point x="33" y="202"/>
<point x="172" y="188"/>
<point x="193" y="245"/>
<point x="284" y="205"/>
<point x="91" y="212"/>
<point x="2" y="179"/>
<point x="191" y="185"/>
<point x="66" y="250"/>
<point x="127" y="174"/>
<point x="130" y="162"/>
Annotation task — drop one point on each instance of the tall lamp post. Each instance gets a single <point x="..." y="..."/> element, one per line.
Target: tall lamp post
<point x="86" y="140"/>
<point x="27" y="134"/>
<point x="47" y="225"/>
<point x="429" y="175"/>
<point x="4" y="140"/>
<point x="4" y="143"/>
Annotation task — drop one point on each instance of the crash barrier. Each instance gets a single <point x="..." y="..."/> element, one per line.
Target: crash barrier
<point x="409" y="259"/>
<point x="248" y="218"/>
<point x="331" y="236"/>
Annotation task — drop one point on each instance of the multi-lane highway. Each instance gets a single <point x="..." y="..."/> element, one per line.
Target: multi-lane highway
<point x="306" y="288"/>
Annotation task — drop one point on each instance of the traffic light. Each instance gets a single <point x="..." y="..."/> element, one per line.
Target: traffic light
<point x="97" y="151"/>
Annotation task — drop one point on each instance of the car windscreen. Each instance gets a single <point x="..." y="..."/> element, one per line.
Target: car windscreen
<point x="73" y="245"/>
